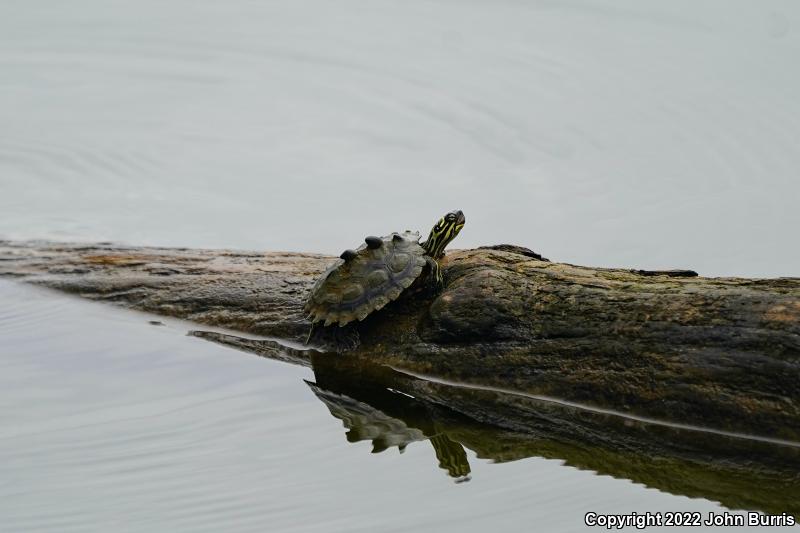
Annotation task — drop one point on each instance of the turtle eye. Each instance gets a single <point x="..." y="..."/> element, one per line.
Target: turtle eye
<point x="439" y="225"/>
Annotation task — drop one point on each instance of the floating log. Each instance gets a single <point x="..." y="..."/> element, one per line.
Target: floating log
<point x="722" y="353"/>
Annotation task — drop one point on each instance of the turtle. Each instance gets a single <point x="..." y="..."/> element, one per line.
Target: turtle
<point x="364" y="280"/>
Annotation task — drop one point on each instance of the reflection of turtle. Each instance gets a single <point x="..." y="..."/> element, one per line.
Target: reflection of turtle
<point x="371" y="403"/>
<point x="366" y="279"/>
<point x="366" y="422"/>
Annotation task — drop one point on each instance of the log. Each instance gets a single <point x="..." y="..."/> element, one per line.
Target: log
<point x="722" y="353"/>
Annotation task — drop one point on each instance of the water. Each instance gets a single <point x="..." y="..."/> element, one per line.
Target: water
<point x="110" y="423"/>
<point x="615" y="133"/>
<point x="624" y="133"/>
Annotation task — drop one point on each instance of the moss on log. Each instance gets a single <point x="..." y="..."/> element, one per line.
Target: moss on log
<point x="722" y="353"/>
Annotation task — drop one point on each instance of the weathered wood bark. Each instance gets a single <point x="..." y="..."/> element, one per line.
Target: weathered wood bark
<point x="718" y="352"/>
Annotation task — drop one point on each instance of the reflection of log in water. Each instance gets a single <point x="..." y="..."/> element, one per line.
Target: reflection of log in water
<point x="737" y="471"/>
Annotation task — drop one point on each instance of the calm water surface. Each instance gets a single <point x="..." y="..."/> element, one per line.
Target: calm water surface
<point x="603" y="132"/>
<point x="110" y="423"/>
<point x="641" y="134"/>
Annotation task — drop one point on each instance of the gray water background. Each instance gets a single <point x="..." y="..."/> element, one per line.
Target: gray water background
<point x="617" y="133"/>
<point x="641" y="134"/>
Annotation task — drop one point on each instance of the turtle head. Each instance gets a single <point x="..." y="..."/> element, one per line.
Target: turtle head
<point x="443" y="232"/>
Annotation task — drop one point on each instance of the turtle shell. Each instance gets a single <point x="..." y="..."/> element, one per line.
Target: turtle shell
<point x="377" y="273"/>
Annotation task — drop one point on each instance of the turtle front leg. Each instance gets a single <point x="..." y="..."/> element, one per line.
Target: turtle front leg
<point x="435" y="280"/>
<point x="334" y="338"/>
